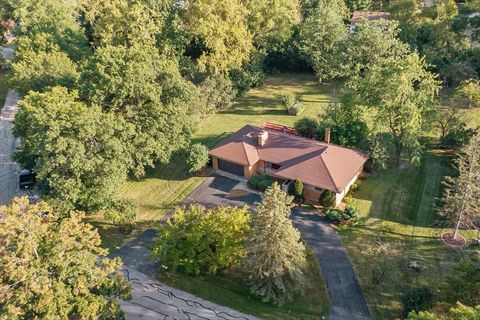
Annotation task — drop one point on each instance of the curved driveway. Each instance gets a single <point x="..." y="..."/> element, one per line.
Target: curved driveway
<point x="346" y="296"/>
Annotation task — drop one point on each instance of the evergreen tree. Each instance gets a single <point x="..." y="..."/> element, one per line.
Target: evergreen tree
<point x="276" y="258"/>
<point x="295" y="189"/>
<point x="462" y="196"/>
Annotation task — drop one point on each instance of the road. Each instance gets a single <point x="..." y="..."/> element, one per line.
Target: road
<point x="8" y="144"/>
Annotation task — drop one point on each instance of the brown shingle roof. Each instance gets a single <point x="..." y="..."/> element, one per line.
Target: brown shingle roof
<point x="323" y="165"/>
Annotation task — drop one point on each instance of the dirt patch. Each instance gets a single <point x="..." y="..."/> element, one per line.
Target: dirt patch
<point x="447" y="238"/>
<point x="237" y="193"/>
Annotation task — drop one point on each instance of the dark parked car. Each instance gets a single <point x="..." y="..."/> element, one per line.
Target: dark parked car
<point x="26" y="179"/>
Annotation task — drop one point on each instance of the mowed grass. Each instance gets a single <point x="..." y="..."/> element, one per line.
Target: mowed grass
<point x="398" y="206"/>
<point x="229" y="288"/>
<point x="164" y="186"/>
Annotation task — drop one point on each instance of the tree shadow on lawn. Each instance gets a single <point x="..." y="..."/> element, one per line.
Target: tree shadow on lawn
<point x="407" y="196"/>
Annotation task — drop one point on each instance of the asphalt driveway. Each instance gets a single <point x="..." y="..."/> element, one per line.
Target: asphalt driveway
<point x="346" y="295"/>
<point x="214" y="192"/>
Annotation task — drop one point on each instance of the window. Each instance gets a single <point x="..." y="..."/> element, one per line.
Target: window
<point x="273" y="166"/>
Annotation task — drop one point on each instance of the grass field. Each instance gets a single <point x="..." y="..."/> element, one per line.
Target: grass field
<point x="164" y="186"/>
<point x="229" y="288"/>
<point x="399" y="207"/>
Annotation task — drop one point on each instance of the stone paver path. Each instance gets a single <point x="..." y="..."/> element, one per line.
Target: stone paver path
<point x="153" y="300"/>
<point x="346" y="295"/>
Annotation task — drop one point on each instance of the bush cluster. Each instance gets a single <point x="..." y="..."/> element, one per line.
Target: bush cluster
<point x="417" y="299"/>
<point x="260" y="182"/>
<point x="196" y="240"/>
<point x="339" y="216"/>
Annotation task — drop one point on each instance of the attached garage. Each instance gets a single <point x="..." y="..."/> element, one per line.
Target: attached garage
<point x="230" y="167"/>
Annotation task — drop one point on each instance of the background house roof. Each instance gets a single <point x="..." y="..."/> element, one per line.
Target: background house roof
<point x="323" y="165"/>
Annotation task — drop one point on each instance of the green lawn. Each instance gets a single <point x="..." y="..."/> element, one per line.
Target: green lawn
<point x="164" y="186"/>
<point x="399" y="207"/>
<point x="229" y="288"/>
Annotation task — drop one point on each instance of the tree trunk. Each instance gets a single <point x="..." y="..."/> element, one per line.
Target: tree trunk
<point x="319" y="80"/>
<point x="457" y="226"/>
<point x="398" y="155"/>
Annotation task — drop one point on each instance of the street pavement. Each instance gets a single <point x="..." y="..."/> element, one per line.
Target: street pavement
<point x="8" y="144"/>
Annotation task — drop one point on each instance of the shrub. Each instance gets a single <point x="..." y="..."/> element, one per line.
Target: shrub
<point x="351" y="212"/>
<point x="307" y="127"/>
<point x="197" y="157"/>
<point x="327" y="199"/>
<point x="458" y="137"/>
<point x="122" y="213"/>
<point x="417" y="299"/>
<point x="253" y="181"/>
<point x="295" y="189"/>
<point x="264" y="184"/>
<point x="288" y="100"/>
<point x="333" y="215"/>
<point x="296" y="109"/>
<point x="354" y="187"/>
<point x="195" y="240"/>
<point x="260" y="182"/>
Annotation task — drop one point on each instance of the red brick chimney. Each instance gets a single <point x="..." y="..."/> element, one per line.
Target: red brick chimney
<point x="327" y="135"/>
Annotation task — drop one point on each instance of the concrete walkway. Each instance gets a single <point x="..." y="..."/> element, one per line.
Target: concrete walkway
<point x="346" y="295"/>
<point x="152" y="300"/>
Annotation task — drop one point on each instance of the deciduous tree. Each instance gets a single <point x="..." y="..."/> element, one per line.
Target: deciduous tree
<point x="221" y="28"/>
<point x="79" y="153"/>
<point x="149" y="92"/>
<point x="461" y="201"/>
<point x="320" y="36"/>
<point x="55" y="268"/>
<point x="402" y="93"/>
<point x="195" y="239"/>
<point x="276" y="259"/>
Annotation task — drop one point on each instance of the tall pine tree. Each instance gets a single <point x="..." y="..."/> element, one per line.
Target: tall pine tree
<point x="462" y="196"/>
<point x="275" y="259"/>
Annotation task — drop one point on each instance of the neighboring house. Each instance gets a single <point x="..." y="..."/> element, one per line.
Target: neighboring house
<point x="360" y="16"/>
<point x="281" y="153"/>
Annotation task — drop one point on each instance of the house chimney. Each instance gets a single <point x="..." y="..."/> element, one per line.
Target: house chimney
<point x="327" y="135"/>
<point x="262" y="138"/>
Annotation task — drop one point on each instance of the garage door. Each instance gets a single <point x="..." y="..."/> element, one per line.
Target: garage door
<point x="230" y="167"/>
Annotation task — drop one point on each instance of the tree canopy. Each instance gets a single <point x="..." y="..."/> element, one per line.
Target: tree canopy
<point x="401" y="92"/>
<point x="55" y="268"/>
<point x="78" y="153"/>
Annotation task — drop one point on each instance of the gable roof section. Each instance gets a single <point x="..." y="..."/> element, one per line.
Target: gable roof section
<point x="323" y="165"/>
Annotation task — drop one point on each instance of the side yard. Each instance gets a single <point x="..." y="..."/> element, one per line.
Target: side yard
<point x="398" y="206"/>
<point x="164" y="186"/>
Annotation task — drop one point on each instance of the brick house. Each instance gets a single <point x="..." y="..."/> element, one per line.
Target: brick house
<point x="285" y="156"/>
